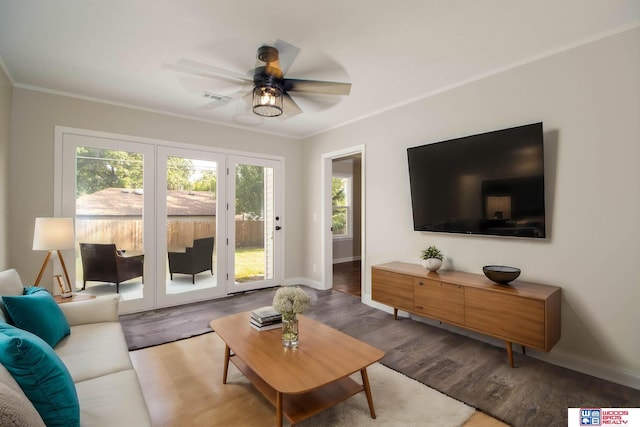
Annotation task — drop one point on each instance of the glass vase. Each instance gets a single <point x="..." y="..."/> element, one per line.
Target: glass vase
<point x="290" y="331"/>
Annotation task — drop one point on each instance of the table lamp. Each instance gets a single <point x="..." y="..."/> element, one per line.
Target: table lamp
<point x="53" y="234"/>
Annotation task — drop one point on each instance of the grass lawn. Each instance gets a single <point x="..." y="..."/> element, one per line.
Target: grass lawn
<point x="250" y="264"/>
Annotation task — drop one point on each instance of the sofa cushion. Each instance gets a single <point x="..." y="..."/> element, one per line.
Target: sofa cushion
<point x="41" y="375"/>
<point x="93" y="350"/>
<point x="15" y="408"/>
<point x="10" y="284"/>
<point x="113" y="400"/>
<point x="38" y="313"/>
<point x="98" y="310"/>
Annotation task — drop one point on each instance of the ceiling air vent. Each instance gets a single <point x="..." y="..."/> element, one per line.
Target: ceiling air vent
<point x="214" y="97"/>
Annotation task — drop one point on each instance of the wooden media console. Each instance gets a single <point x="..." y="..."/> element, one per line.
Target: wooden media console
<point x="524" y="313"/>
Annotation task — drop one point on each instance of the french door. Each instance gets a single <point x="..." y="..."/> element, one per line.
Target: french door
<point x="190" y="189"/>
<point x="108" y="186"/>
<point x="255" y="223"/>
<point x="209" y="224"/>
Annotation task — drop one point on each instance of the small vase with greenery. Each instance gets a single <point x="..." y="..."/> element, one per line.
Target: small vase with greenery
<point x="432" y="258"/>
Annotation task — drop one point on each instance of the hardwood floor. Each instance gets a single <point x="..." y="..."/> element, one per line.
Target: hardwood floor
<point x="347" y="277"/>
<point x="180" y="381"/>
<point x="182" y="384"/>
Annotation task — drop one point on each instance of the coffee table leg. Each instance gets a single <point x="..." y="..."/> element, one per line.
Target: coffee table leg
<point x="279" y="409"/>
<point x="367" y="391"/>
<point x="227" y="354"/>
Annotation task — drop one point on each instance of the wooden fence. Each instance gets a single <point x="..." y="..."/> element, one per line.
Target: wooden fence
<point x="126" y="232"/>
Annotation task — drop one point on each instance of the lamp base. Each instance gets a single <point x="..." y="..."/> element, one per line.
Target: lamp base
<point x="63" y="288"/>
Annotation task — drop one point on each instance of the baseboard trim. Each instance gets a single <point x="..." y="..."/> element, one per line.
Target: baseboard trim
<point x="594" y="368"/>
<point x="305" y="282"/>
<point x="555" y="357"/>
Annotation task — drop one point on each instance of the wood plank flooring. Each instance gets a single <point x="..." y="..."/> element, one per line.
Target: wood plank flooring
<point x="472" y="371"/>
<point x="347" y="277"/>
<point x="182" y="384"/>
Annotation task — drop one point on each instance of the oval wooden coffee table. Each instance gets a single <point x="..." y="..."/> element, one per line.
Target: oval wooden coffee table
<point x="299" y="382"/>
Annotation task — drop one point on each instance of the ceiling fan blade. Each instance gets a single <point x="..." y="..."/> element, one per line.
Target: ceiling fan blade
<point x="196" y="84"/>
<point x="210" y="106"/>
<point x="202" y="73"/>
<point x="316" y="86"/>
<point x="248" y="96"/>
<point x="290" y="107"/>
<point x="199" y="68"/>
<point x="287" y="53"/>
<point x="315" y="102"/>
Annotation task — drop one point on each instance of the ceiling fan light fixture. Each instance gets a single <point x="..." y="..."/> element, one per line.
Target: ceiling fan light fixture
<point x="267" y="101"/>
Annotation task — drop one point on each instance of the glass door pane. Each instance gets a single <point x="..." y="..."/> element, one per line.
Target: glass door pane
<point x="189" y="224"/>
<point x="107" y="192"/>
<point x="109" y="207"/>
<point x="254" y="224"/>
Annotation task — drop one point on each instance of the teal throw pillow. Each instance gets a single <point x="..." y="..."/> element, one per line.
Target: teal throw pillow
<point x="38" y="313"/>
<point x="41" y="374"/>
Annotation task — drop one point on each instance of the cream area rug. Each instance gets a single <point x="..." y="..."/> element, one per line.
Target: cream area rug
<point x="398" y="401"/>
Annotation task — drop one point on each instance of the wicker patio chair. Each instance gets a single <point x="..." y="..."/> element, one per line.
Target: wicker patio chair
<point x="104" y="263"/>
<point x="194" y="260"/>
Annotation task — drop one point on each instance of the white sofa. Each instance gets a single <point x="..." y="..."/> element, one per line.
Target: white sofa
<point x="96" y="356"/>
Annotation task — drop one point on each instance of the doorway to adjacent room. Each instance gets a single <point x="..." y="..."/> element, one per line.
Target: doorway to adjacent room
<point x="344" y="214"/>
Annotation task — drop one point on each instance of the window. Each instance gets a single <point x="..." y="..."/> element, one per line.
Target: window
<point x="342" y="212"/>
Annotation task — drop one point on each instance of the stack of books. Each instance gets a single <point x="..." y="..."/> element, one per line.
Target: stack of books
<point x="265" y="318"/>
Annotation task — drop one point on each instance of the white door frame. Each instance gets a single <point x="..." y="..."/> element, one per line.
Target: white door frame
<point x="65" y="200"/>
<point x="277" y="233"/>
<point x="326" y="216"/>
<point x="164" y="299"/>
<point x="65" y="166"/>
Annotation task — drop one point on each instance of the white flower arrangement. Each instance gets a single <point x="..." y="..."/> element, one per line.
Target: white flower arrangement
<point x="290" y="301"/>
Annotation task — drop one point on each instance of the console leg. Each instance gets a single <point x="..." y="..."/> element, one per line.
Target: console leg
<point x="510" y="353"/>
<point x="395" y="314"/>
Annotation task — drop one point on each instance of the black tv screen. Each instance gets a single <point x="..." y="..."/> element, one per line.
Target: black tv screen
<point x="490" y="183"/>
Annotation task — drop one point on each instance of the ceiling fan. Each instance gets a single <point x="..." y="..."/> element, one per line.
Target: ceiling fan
<point x="270" y="93"/>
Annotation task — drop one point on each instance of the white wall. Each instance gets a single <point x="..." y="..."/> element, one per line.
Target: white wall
<point x="589" y="100"/>
<point x="5" y="142"/>
<point x="35" y="115"/>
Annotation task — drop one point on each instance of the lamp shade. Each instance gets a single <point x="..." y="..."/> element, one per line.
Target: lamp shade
<point x="267" y="101"/>
<point x="53" y="234"/>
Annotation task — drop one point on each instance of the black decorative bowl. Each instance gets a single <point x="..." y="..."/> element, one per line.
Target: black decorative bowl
<point x="501" y="273"/>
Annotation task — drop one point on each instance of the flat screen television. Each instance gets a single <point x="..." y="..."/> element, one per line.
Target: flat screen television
<point x="490" y="184"/>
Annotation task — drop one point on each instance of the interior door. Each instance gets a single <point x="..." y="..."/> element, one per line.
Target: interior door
<point x="191" y="225"/>
<point x="255" y="223"/>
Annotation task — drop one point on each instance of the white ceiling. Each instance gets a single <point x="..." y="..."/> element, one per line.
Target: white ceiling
<point x="392" y="52"/>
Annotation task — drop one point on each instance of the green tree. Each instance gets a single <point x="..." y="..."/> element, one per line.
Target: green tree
<point x="250" y="191"/>
<point x="338" y="192"/>
<point x="97" y="169"/>
<point x="207" y="182"/>
<point x="179" y="171"/>
<point x="339" y="204"/>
